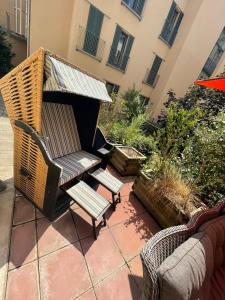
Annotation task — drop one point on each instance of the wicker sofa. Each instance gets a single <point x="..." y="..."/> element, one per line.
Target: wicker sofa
<point x="187" y="261"/>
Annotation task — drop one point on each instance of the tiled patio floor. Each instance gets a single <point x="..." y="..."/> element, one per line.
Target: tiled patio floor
<point x="61" y="260"/>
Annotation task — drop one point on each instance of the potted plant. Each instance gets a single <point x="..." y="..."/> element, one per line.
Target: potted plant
<point x="127" y="160"/>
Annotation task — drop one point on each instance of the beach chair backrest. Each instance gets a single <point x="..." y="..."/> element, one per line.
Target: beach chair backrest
<point x="59" y="129"/>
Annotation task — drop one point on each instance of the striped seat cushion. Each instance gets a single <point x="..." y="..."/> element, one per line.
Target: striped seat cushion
<point x="75" y="164"/>
<point x="93" y="203"/>
<point x="59" y="129"/>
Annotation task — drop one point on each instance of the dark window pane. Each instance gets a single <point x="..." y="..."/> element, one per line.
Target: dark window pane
<point x="214" y="56"/>
<point x="154" y="70"/>
<point x="172" y="24"/>
<point x="94" y="25"/>
<point x="112" y="88"/>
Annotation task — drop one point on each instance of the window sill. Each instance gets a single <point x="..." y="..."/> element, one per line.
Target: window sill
<point x="92" y="56"/>
<point x="132" y="11"/>
<point x="116" y="68"/>
<point x="165" y="42"/>
<point x="152" y="86"/>
<point x="17" y="35"/>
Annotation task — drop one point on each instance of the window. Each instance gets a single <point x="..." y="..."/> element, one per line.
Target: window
<point x="214" y="56"/>
<point x="151" y="76"/>
<point x="93" y="30"/>
<point x="120" y="50"/>
<point x="135" y="5"/>
<point x="112" y="88"/>
<point x="171" y="24"/>
<point x="144" y="100"/>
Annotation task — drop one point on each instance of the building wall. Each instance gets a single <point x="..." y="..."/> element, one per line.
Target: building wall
<point x="18" y="41"/>
<point x="58" y="31"/>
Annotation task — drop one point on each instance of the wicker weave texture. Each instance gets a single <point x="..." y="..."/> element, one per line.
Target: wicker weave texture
<point x="28" y="157"/>
<point x="162" y="245"/>
<point x="22" y="90"/>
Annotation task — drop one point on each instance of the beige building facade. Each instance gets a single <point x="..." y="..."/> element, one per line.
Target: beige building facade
<point x="14" y="18"/>
<point x="155" y="45"/>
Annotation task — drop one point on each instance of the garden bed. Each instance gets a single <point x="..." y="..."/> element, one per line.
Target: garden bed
<point x="127" y="160"/>
<point x="165" y="211"/>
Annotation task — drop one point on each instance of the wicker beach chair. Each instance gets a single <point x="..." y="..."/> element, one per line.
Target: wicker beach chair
<point x="187" y="261"/>
<point x="53" y="107"/>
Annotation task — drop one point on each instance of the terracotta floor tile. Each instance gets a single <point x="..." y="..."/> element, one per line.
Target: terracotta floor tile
<point x="131" y="236"/>
<point x="119" y="286"/>
<point x="39" y="214"/>
<point x="23" y="245"/>
<point x="89" y="295"/>
<point x="64" y="274"/>
<point x="136" y="268"/>
<point x="104" y="192"/>
<point x="129" y="208"/>
<point x="84" y="224"/>
<point x="125" y="190"/>
<point x="23" y="283"/>
<point x="23" y="212"/>
<point x="55" y="235"/>
<point x="102" y="255"/>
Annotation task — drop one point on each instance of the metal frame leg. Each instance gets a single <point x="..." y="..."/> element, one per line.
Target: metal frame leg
<point x="104" y="220"/>
<point x="119" y="198"/>
<point x="94" y="228"/>
<point x="114" y="201"/>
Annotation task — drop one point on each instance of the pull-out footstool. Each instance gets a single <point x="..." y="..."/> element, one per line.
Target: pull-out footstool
<point x="109" y="182"/>
<point x="88" y="199"/>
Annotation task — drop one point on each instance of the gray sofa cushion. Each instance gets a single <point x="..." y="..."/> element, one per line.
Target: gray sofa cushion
<point x="186" y="273"/>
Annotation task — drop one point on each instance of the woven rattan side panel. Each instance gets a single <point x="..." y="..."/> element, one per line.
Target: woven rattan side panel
<point x="22" y="90"/>
<point x="28" y="158"/>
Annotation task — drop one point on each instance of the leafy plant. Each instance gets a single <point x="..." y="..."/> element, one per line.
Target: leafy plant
<point x="6" y="53"/>
<point x="133" y="104"/>
<point x="210" y="101"/>
<point x="203" y="159"/>
<point x="132" y="135"/>
<point x="179" y="126"/>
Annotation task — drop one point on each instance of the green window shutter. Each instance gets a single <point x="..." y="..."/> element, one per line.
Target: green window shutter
<point x="154" y="70"/>
<point x="127" y="52"/>
<point x="114" y="45"/>
<point x="173" y="36"/>
<point x="139" y="7"/>
<point x="93" y="30"/>
<point x="167" y="27"/>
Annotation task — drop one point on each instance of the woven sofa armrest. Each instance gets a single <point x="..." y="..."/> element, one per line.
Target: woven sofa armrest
<point x="162" y="245"/>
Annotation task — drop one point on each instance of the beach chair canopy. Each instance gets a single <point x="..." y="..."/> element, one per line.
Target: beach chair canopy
<point x="62" y="77"/>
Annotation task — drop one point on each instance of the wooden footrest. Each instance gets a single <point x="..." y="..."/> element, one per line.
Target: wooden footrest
<point x="109" y="182"/>
<point x="88" y="199"/>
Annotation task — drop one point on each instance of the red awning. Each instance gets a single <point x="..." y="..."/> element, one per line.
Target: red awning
<point x="215" y="83"/>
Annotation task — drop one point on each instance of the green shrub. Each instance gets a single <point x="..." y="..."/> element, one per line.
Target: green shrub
<point x="179" y="127"/>
<point x="133" y="104"/>
<point x="132" y="135"/>
<point x="203" y="159"/>
<point x="6" y="53"/>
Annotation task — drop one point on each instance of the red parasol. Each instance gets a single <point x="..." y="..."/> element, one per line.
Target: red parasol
<point x="215" y="83"/>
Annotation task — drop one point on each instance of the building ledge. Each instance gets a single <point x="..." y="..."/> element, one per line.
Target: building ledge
<point x="88" y="54"/>
<point x="114" y="67"/>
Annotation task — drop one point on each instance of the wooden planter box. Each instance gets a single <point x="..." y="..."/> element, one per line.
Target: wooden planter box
<point x="163" y="210"/>
<point x="127" y="160"/>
